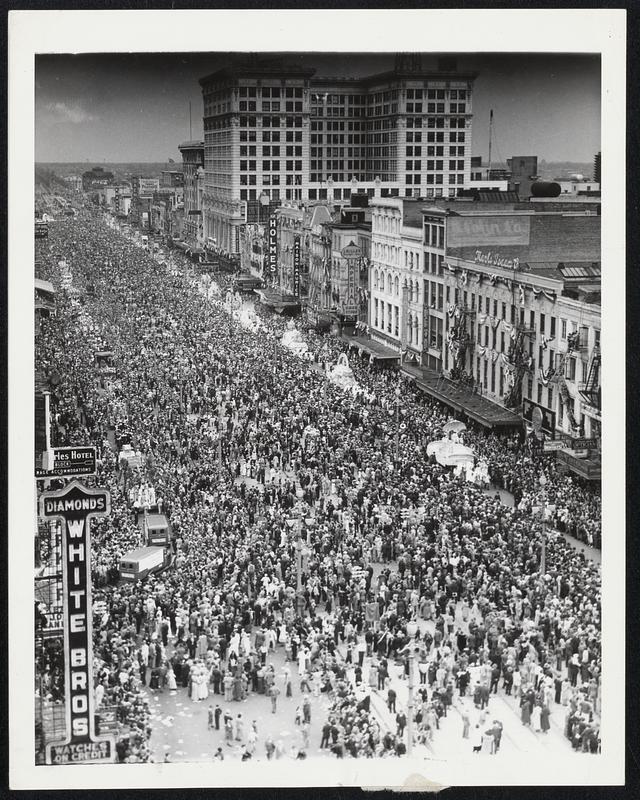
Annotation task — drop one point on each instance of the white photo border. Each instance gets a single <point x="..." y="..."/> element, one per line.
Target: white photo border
<point x="594" y="31"/>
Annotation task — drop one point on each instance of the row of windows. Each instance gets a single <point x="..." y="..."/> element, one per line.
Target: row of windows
<point x="271" y="166"/>
<point x="436" y="94"/>
<point x="412" y="150"/>
<point x="270" y="91"/>
<point x="270" y="106"/>
<point x="392" y="286"/>
<point x="271" y="122"/>
<point x="272" y="150"/>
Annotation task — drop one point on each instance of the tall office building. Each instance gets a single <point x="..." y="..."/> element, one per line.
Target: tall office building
<point x="274" y="132"/>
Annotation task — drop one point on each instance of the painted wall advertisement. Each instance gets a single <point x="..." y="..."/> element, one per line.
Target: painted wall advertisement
<point x="484" y="231"/>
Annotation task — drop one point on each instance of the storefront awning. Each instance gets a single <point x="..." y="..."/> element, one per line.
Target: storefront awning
<point x="378" y="351"/>
<point x="463" y="399"/>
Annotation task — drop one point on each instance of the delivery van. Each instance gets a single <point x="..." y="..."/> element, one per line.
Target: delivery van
<point x="158" y="529"/>
<point x="137" y="564"/>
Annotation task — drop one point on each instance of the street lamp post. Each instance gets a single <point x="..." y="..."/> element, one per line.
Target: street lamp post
<point x="543" y="516"/>
<point x="302" y="551"/>
<point x="412" y="629"/>
<point x="223" y="396"/>
<point x="397" y="448"/>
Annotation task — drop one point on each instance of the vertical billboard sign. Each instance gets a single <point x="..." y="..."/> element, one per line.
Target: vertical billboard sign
<point x="352" y="255"/>
<point x="75" y="505"/>
<point x="296" y="266"/>
<point x="272" y="252"/>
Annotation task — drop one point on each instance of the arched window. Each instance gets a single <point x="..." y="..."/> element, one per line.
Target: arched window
<point x="396" y="286"/>
<point x="415" y="329"/>
<point x="388" y="283"/>
<point x="375" y="279"/>
<point x="410" y="328"/>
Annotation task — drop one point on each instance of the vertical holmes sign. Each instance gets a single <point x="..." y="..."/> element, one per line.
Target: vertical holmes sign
<point x="272" y="251"/>
<point x="75" y="505"/>
<point x="296" y="266"/>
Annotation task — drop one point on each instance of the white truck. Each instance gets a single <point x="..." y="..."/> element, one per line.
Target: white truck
<point x="137" y="564"/>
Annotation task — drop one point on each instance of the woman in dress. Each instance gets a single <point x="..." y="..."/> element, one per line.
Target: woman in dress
<point x="203" y="683"/>
<point x="171" y="679"/>
<point x="536" y="715"/>
<point x="545" y="724"/>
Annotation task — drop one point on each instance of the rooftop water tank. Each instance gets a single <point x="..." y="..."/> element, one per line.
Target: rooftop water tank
<point x="545" y="189"/>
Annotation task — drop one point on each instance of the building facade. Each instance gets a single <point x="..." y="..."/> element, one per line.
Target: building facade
<point x="277" y="131"/>
<point x="522" y="323"/>
<point x="193" y="178"/>
<point x="396" y="275"/>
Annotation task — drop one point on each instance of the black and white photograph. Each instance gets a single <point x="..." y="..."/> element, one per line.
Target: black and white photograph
<point x="325" y="463"/>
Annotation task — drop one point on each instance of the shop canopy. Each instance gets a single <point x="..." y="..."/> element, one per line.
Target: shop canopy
<point x="372" y="348"/>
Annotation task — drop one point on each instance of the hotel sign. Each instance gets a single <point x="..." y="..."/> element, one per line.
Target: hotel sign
<point x="75" y="505"/>
<point x="487" y="231"/>
<point x="272" y="250"/>
<point x="70" y="461"/>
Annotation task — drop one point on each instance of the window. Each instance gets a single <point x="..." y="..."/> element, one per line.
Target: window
<point x="542" y="324"/>
<point x="539" y="394"/>
<point x="563" y="328"/>
<point x="552" y="327"/>
<point x="585" y="369"/>
<point x="571" y="369"/>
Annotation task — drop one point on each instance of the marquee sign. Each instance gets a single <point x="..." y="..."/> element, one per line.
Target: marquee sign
<point x="75" y="505"/>
<point x="272" y="250"/>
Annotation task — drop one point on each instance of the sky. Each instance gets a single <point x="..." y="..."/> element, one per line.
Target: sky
<point x="131" y="107"/>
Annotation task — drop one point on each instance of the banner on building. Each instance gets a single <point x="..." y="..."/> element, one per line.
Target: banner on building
<point x="548" y="421"/>
<point x="296" y="266"/>
<point x="272" y="251"/>
<point x="75" y="506"/>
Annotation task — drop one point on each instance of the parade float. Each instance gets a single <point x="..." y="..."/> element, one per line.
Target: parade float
<point x="292" y="340"/>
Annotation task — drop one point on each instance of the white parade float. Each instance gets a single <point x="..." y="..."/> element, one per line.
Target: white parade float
<point x="342" y="375"/>
<point x="293" y="341"/>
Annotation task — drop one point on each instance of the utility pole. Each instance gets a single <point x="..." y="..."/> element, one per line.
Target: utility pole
<point x="490" y="136"/>
<point x="397" y="448"/>
<point x="543" y="514"/>
<point x="412" y="629"/>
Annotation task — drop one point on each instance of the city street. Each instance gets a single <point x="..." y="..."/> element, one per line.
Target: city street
<point x="180" y="726"/>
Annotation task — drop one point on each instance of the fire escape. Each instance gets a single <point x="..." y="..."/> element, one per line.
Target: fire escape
<point x="520" y="362"/>
<point x="591" y="391"/>
<point x="459" y="339"/>
<point x="556" y="374"/>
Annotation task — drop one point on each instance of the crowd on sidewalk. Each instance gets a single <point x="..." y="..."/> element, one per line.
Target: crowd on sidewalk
<point x="208" y="404"/>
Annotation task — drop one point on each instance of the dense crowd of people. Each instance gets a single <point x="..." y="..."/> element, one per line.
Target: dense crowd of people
<point x="216" y="415"/>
